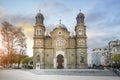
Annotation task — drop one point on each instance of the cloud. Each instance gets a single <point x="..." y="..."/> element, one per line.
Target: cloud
<point x="97" y="38"/>
<point x="29" y="47"/>
<point x="111" y="21"/>
<point x="102" y="19"/>
<point x="53" y="10"/>
<point x="95" y="17"/>
<point x="103" y="23"/>
<point x="53" y="7"/>
<point x="50" y="27"/>
<point x="2" y="12"/>
<point x="27" y="29"/>
<point x="14" y="19"/>
<point x="25" y="22"/>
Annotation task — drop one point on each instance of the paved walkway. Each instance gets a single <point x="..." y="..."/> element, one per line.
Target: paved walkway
<point x="26" y="75"/>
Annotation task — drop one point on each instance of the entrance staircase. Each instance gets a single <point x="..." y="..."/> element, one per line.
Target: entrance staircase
<point x="77" y="72"/>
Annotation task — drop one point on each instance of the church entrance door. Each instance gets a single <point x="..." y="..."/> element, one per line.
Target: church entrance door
<point x="60" y="61"/>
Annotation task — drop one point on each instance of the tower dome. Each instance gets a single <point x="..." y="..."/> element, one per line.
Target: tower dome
<point x="80" y="14"/>
<point x="80" y="18"/>
<point x="39" y="18"/>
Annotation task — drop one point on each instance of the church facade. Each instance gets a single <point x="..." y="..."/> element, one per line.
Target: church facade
<point x="59" y="50"/>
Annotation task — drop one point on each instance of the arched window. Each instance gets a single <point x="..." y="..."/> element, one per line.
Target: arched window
<point x="81" y="32"/>
<point x="38" y="58"/>
<point x="60" y="43"/>
<point x="81" y="59"/>
<point x="38" y="32"/>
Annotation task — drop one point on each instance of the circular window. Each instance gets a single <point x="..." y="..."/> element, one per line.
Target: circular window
<point x="59" y="32"/>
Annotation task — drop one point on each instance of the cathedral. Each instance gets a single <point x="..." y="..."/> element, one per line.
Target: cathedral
<point x="60" y="50"/>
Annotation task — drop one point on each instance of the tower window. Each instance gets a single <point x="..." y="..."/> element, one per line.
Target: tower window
<point x="81" y="59"/>
<point x="38" y="58"/>
<point x="38" y="32"/>
<point x="81" y="32"/>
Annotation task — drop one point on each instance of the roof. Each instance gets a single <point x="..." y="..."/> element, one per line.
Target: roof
<point x="80" y="14"/>
<point x="61" y="26"/>
<point x="40" y="15"/>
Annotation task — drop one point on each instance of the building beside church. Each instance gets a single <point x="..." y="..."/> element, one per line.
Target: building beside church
<point x="59" y="50"/>
<point x="114" y="48"/>
<point x="98" y="57"/>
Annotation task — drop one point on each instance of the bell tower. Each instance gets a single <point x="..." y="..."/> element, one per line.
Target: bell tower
<point x="38" y="47"/>
<point x="81" y="41"/>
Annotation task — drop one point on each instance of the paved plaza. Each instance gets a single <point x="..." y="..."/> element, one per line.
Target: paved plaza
<point x="57" y="75"/>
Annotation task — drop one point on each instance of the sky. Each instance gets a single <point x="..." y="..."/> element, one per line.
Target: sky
<point x="102" y="18"/>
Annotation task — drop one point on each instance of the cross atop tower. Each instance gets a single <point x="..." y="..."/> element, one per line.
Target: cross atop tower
<point x="39" y="10"/>
<point x="60" y="21"/>
<point x="80" y="10"/>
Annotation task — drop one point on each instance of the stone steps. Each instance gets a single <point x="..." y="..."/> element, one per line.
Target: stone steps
<point x="77" y="72"/>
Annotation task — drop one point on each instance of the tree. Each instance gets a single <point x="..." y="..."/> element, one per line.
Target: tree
<point x="116" y="60"/>
<point x="14" y="42"/>
<point x="4" y="60"/>
<point x="26" y="62"/>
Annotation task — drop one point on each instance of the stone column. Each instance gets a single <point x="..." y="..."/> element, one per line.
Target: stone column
<point x="65" y="63"/>
<point x="54" y="62"/>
